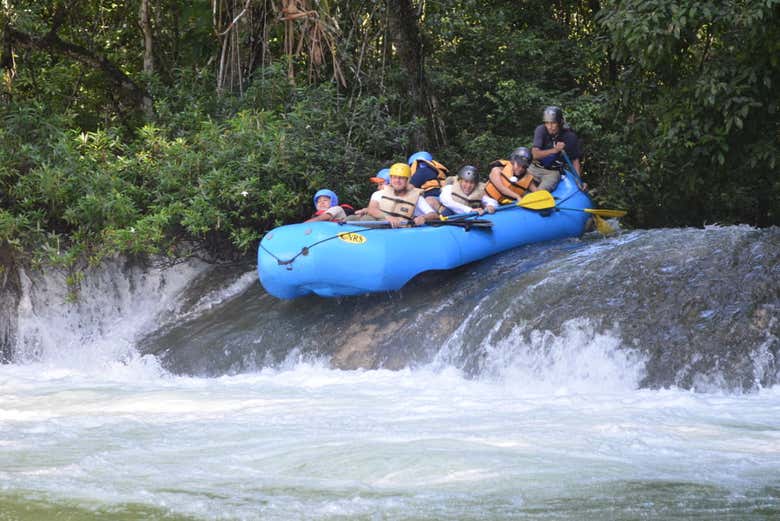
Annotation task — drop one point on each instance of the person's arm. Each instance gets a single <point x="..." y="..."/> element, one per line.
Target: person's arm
<point x="448" y="201"/>
<point x="488" y="203"/>
<point x="376" y="196"/>
<point x="538" y="153"/>
<point x="373" y="209"/>
<point x="324" y="216"/>
<point x="423" y="212"/>
<point x="541" y="140"/>
<point x="334" y="213"/>
<point x="495" y="178"/>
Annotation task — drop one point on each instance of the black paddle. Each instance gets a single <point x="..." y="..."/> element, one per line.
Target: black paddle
<point x="471" y="223"/>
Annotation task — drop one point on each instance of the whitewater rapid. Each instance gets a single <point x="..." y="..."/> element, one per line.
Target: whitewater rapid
<point x="622" y="379"/>
<point x="309" y="442"/>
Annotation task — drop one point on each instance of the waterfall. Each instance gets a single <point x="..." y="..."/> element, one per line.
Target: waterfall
<point x="694" y="308"/>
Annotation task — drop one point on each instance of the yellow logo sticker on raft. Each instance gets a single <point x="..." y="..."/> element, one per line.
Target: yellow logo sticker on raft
<point x="353" y="238"/>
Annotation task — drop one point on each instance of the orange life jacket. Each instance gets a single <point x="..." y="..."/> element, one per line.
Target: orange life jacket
<point x="518" y="186"/>
<point x="441" y="172"/>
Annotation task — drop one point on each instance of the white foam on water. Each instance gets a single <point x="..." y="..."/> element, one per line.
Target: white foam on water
<point x="96" y="328"/>
<point x="221" y="295"/>
<point x="578" y="360"/>
<point x="316" y="443"/>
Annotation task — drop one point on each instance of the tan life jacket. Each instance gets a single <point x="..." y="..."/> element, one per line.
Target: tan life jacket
<point x="473" y="200"/>
<point x="520" y="187"/>
<point x="399" y="205"/>
<point x="440" y="169"/>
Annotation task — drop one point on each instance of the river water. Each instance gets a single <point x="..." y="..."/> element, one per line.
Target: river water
<point x="547" y="383"/>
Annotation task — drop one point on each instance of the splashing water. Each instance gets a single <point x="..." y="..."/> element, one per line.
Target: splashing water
<point x="535" y="385"/>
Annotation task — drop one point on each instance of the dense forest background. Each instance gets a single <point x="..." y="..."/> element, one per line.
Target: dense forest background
<point x="141" y="126"/>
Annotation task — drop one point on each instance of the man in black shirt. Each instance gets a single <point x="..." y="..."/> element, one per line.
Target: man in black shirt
<point x="550" y="139"/>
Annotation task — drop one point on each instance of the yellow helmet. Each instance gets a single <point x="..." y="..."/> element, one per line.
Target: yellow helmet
<point x="400" y="170"/>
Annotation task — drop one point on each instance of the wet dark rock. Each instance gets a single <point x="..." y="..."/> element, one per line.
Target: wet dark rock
<point x="10" y="292"/>
<point x="701" y="307"/>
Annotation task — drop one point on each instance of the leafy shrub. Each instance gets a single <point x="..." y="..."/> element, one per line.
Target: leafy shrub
<point x="218" y="182"/>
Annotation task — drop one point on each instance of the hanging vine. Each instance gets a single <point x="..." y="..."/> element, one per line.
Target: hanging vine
<point x="311" y="33"/>
<point x="244" y="29"/>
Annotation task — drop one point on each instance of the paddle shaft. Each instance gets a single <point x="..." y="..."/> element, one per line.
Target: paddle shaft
<point x="596" y="211"/>
<point x="539" y="200"/>
<point x="386" y="224"/>
<point x="459" y="217"/>
<point x="573" y="170"/>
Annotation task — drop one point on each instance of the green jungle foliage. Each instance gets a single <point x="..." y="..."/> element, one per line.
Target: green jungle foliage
<point x="218" y="182"/>
<point x="674" y="100"/>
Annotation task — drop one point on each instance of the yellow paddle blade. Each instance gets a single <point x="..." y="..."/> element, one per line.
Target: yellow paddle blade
<point x="605" y="213"/>
<point x="539" y="200"/>
<point x="603" y="226"/>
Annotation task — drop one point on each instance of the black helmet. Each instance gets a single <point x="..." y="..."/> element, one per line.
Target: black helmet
<point x="553" y="114"/>
<point x="521" y="155"/>
<point x="468" y="173"/>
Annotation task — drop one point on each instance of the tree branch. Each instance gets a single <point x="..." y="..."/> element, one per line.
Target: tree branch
<point x="52" y="43"/>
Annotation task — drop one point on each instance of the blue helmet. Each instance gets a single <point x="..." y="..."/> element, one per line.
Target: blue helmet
<point x="382" y="176"/>
<point x="425" y="156"/>
<point x="334" y="199"/>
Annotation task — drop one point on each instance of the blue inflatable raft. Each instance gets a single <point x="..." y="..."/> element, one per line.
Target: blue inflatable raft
<point x="331" y="259"/>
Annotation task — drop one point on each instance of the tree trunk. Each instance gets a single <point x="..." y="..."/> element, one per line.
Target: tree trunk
<point x="146" y="29"/>
<point x="612" y="65"/>
<point x="408" y="41"/>
<point x="6" y="53"/>
<point x="9" y="69"/>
